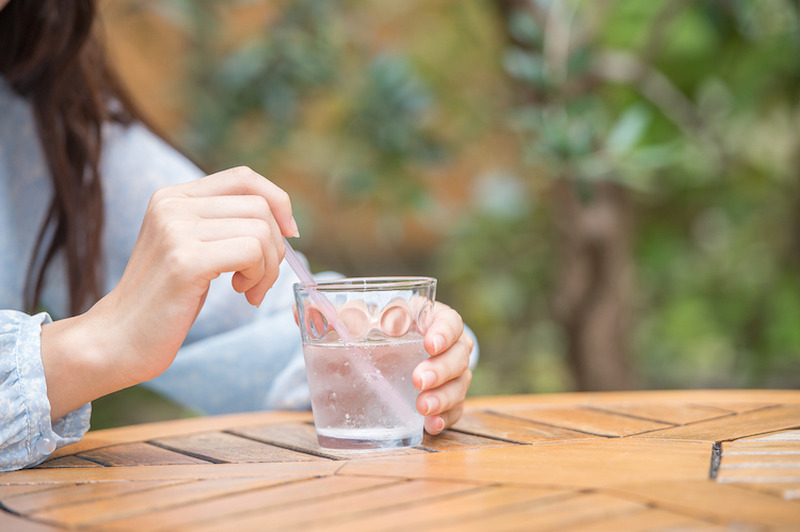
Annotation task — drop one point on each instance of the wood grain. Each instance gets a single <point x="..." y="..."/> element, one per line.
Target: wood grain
<point x="340" y="507"/>
<point x="670" y="413"/>
<point x="111" y="474"/>
<point x="587" y="420"/>
<point x="514" y="430"/>
<point x="139" y="453"/>
<point x="668" y="460"/>
<point x="219" y="512"/>
<point x="724" y="504"/>
<point x="586" y="463"/>
<point x="557" y="514"/>
<point x="222" y="447"/>
<point x="80" y="493"/>
<point x="94" y="511"/>
<point x="461" y="508"/>
<point x="303" y="438"/>
<point x="750" y="423"/>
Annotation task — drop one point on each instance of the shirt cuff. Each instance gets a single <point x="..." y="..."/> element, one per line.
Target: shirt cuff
<point x="29" y="436"/>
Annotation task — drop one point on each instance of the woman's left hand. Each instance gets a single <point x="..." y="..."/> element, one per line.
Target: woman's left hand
<point x="444" y="378"/>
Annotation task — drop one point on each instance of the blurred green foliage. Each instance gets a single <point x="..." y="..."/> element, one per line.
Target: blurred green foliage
<point x="692" y="106"/>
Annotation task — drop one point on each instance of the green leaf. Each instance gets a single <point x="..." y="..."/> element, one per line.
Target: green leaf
<point x="628" y="130"/>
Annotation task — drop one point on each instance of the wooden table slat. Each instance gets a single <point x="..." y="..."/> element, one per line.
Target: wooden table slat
<point x="789" y="460"/>
<point x="177" y="427"/>
<point x="751" y="423"/>
<point x="222" y="509"/>
<point x="745" y="447"/>
<point x="785" y="490"/>
<point x="669" y="413"/>
<point x="138" y="453"/>
<point x="723" y="503"/>
<point x="647" y="520"/>
<point x="13" y="523"/>
<point x="302" y="437"/>
<point x="144" y="501"/>
<point x="778" y="436"/>
<point x="451" y="440"/>
<point x="759" y="474"/>
<point x="67" y="461"/>
<point x="80" y="493"/>
<point x="515" y="430"/>
<point x="579" y="509"/>
<point x="587" y="420"/>
<point x="462" y="508"/>
<point x="346" y="506"/>
<point x="223" y="447"/>
<point x="197" y="472"/>
<point x="585" y="463"/>
<point x="12" y="490"/>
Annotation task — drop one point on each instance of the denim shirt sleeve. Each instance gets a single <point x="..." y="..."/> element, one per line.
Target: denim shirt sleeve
<point x="27" y="437"/>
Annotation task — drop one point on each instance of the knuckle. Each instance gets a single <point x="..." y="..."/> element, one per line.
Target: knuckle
<point x="240" y="176"/>
<point x="179" y="261"/>
<point x="464" y="365"/>
<point x="259" y="227"/>
<point x="158" y="196"/>
<point x="469" y="344"/>
<point x="241" y="171"/>
<point x="172" y="231"/>
<point x="164" y="207"/>
<point x="158" y="199"/>
<point x="261" y="205"/>
<point x="251" y="247"/>
<point x="282" y="197"/>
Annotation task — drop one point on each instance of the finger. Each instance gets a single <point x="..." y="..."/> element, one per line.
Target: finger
<point x="256" y="294"/>
<point x="227" y="206"/>
<point x="445" y="329"/>
<point x="445" y="397"/>
<point x="243" y="255"/>
<point x="439" y="369"/>
<point x="224" y="229"/>
<point x="166" y="209"/>
<point x="244" y="181"/>
<point x="256" y="288"/>
<point x="436" y="424"/>
<point x="235" y="207"/>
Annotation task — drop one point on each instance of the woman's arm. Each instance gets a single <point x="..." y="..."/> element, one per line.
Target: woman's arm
<point x="228" y="222"/>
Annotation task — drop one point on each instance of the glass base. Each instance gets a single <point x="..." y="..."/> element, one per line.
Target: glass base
<point x="341" y="443"/>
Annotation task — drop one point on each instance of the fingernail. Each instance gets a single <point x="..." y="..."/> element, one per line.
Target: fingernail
<point x="293" y="228"/>
<point x="432" y="404"/>
<point x="428" y="378"/>
<point x="439" y="424"/>
<point x="438" y="343"/>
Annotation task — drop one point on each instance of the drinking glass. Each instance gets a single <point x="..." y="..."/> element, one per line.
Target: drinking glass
<point x="362" y="338"/>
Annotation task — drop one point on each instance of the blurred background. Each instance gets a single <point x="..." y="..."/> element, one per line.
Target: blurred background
<point x="608" y="191"/>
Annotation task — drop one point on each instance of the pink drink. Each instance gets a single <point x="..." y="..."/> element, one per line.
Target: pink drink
<point x="348" y="413"/>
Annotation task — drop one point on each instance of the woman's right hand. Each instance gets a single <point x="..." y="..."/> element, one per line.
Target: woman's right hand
<point x="232" y="221"/>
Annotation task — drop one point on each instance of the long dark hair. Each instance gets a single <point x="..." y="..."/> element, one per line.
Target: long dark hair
<point x="50" y="55"/>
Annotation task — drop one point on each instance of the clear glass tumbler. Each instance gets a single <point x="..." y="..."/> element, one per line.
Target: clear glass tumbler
<point x="361" y="344"/>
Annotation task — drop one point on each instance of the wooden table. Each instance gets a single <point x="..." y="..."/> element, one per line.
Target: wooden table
<point x="679" y="460"/>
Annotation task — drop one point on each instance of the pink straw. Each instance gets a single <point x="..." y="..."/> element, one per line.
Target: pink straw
<point x="383" y="387"/>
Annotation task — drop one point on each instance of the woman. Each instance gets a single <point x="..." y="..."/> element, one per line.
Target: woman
<point x="108" y="228"/>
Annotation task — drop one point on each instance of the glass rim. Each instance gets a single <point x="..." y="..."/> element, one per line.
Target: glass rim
<point x="367" y="284"/>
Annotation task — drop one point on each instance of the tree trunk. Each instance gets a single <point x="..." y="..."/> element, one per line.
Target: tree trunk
<point x="592" y="295"/>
